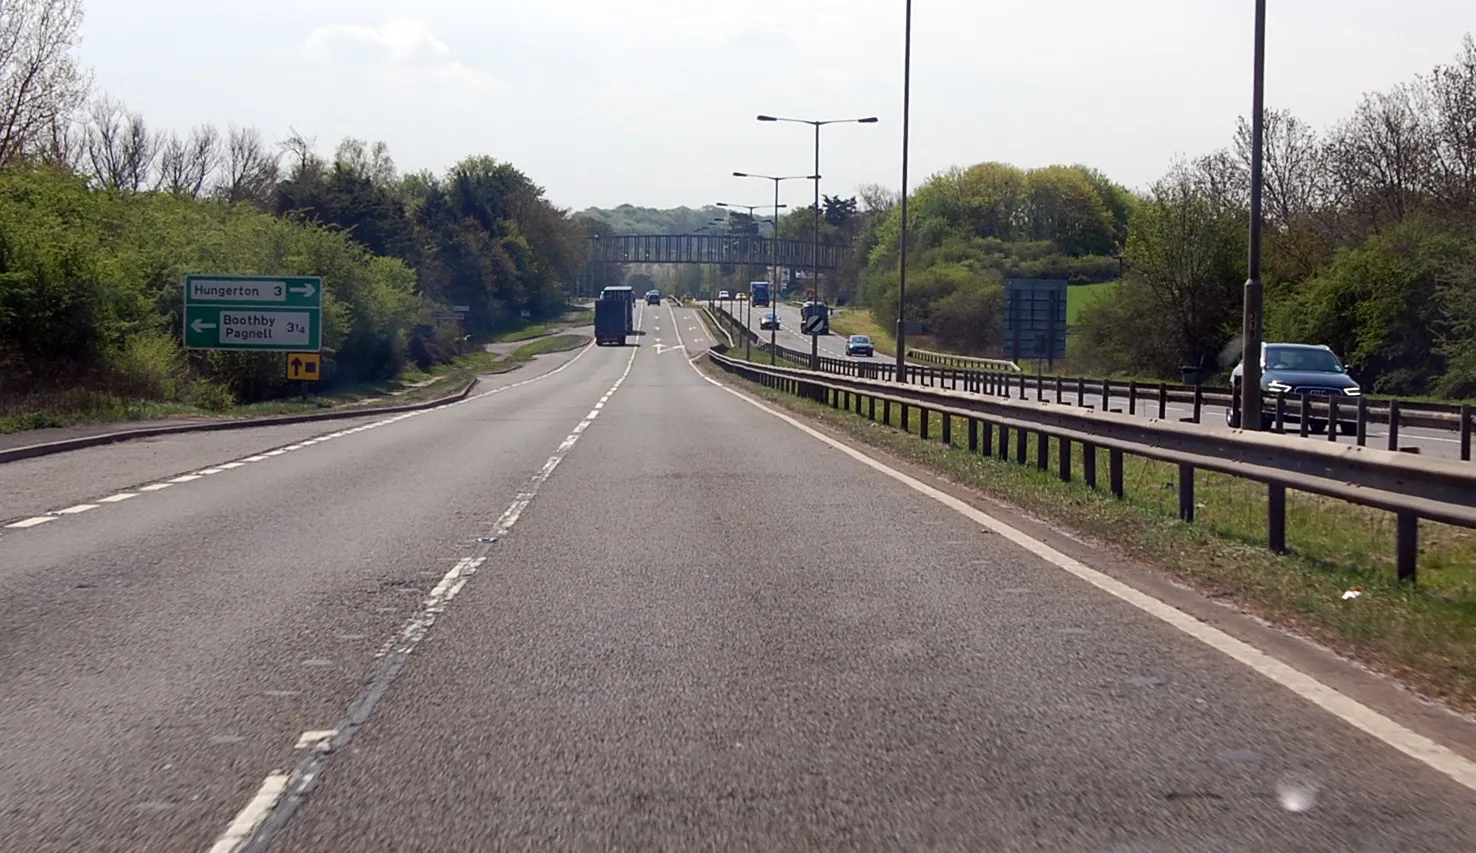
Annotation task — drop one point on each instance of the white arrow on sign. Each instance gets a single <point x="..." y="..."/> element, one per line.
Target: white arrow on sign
<point x="305" y="289"/>
<point x="661" y="348"/>
<point x="200" y="325"/>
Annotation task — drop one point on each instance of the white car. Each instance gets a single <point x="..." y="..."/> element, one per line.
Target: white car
<point x="724" y="296"/>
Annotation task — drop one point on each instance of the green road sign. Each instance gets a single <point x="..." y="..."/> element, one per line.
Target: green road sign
<point x="218" y="327"/>
<point x="227" y="312"/>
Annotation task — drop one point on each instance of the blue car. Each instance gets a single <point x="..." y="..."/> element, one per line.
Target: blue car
<point x="860" y="345"/>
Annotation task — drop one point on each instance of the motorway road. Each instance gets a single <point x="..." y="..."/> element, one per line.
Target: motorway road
<point x="570" y="614"/>
<point x="1439" y="444"/>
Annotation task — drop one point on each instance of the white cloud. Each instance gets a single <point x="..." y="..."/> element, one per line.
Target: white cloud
<point x="403" y="50"/>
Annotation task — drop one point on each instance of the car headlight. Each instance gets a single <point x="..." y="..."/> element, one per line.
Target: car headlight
<point x="1278" y="387"/>
<point x="1355" y="391"/>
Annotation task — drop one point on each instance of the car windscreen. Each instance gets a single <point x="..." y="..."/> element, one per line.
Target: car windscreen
<point x="1302" y="358"/>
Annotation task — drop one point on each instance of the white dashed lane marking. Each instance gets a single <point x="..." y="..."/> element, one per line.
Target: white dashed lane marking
<point x="53" y="515"/>
<point x="281" y="794"/>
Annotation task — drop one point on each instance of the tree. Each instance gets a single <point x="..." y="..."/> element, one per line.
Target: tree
<point x="249" y="168"/>
<point x="40" y="84"/>
<point x="1184" y="257"/>
<point x="186" y="165"/>
<point x="120" y="148"/>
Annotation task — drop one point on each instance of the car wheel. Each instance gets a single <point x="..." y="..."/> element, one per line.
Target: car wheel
<point x="1348" y="428"/>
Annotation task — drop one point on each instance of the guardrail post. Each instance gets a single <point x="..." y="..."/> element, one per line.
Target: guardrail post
<point x="887" y="412"/>
<point x="1022" y="442"/>
<point x="906" y="414"/>
<point x="1043" y="451"/>
<point x="1089" y="464"/>
<point x="1276" y="517"/>
<point x="1022" y="385"/>
<point x="1039" y="390"/>
<point x="871" y="405"/>
<point x="1394" y="425"/>
<point x="1058" y="390"/>
<point x="1333" y="427"/>
<point x="1362" y="428"/>
<point x="955" y="379"/>
<point x="1114" y="471"/>
<point x="1465" y="432"/>
<point x="1198" y="402"/>
<point x="986" y="447"/>
<point x="924" y="418"/>
<point x="1279" y="424"/>
<point x="1186" y="492"/>
<point x="1106" y="396"/>
<point x="1004" y="443"/>
<point x="1163" y="401"/>
<point x="947" y="429"/>
<point x="1081" y="392"/>
<point x="1406" y="545"/>
<point x="973" y="435"/>
<point x="1065" y="459"/>
<point x="1132" y="396"/>
<point x="1304" y="418"/>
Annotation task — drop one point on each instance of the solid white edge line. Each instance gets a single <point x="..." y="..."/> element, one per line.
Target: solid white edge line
<point x="73" y="510"/>
<point x="1345" y="708"/>
<point x="247" y="819"/>
<point x="118" y="498"/>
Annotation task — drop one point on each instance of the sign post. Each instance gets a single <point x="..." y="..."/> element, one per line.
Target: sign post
<point x="254" y="313"/>
<point x="1035" y="319"/>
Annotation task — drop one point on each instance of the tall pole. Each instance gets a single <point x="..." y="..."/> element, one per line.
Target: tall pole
<point x="774" y="288"/>
<point x="815" y="261"/>
<point x="1251" y="322"/>
<point x="902" y="261"/>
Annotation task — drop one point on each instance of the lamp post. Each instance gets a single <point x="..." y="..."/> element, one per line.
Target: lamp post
<point x="774" y="252"/>
<point x="902" y="258"/>
<point x="815" y="261"/>
<point x="774" y="331"/>
<point x="1250" y="330"/>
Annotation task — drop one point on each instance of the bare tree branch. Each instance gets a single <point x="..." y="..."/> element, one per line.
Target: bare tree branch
<point x="249" y="168"/>
<point x="40" y="84"/>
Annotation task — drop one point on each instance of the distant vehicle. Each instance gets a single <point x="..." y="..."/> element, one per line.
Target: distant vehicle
<point x="812" y="308"/>
<point x="653" y="297"/>
<point x="769" y="321"/>
<point x="860" y="345"/>
<point x="760" y="291"/>
<point x="610" y="321"/>
<point x="626" y="293"/>
<point x="724" y="296"/>
<point x="1296" y="369"/>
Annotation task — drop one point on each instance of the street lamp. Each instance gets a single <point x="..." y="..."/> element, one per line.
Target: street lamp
<point x="774" y="254"/>
<point x="815" y="261"/>
<point x="774" y="241"/>
<point x="902" y="258"/>
<point x="1250" y="330"/>
<point x="716" y="220"/>
<point x="751" y="208"/>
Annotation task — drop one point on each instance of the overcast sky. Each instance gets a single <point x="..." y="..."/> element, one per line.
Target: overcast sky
<point x="652" y="102"/>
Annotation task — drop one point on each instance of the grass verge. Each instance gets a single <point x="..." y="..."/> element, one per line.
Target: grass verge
<point x="543" y="346"/>
<point x="861" y="322"/>
<point x="413" y="386"/>
<point x="1424" y="635"/>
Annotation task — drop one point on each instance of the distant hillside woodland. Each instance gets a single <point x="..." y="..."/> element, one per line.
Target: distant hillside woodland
<point x="1370" y="244"/>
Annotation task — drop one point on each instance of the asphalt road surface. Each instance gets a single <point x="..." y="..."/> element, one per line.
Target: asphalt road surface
<point x="1439" y="444"/>
<point x="612" y="605"/>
